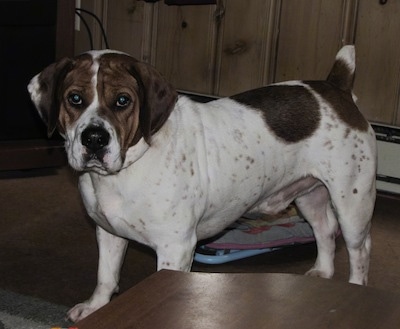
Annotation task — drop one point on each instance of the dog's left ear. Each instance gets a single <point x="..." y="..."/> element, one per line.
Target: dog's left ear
<point x="157" y="98"/>
<point x="44" y="89"/>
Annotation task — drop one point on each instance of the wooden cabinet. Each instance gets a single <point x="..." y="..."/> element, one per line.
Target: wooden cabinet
<point x="310" y="33"/>
<point x="184" y="43"/>
<point x="377" y="43"/>
<point x="237" y="45"/>
<point x="243" y="52"/>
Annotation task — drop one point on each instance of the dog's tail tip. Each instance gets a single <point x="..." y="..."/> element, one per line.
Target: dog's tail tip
<point x="342" y="73"/>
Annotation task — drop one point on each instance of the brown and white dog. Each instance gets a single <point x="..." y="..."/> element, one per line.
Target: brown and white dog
<point x="167" y="172"/>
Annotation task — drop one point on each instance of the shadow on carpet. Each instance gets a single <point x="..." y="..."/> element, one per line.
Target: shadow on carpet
<point x="24" y="312"/>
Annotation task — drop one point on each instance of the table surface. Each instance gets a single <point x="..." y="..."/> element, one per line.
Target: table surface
<point x="169" y="299"/>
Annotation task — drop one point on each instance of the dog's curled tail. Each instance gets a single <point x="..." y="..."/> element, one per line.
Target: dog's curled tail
<point x="342" y="72"/>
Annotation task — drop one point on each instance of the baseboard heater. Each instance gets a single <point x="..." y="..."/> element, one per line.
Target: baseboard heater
<point x="388" y="144"/>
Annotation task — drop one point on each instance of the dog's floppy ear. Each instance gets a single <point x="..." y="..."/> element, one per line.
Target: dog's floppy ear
<point x="45" y="92"/>
<point x="157" y="98"/>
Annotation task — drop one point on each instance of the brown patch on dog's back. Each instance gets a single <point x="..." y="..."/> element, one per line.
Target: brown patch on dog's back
<point x="291" y="111"/>
<point x="342" y="102"/>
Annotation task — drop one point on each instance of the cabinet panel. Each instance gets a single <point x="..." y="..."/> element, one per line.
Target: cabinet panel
<point x="185" y="46"/>
<point x="378" y="60"/>
<point x="243" y="49"/>
<point x="257" y="42"/>
<point x="310" y="34"/>
<point x="125" y="26"/>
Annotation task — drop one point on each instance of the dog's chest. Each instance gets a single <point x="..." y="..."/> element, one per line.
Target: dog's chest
<point x="114" y="207"/>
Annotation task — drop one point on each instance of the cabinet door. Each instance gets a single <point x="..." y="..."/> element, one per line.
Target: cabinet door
<point x="184" y="46"/>
<point x="378" y="60"/>
<point x="125" y="26"/>
<point x="245" y="43"/>
<point x="310" y="34"/>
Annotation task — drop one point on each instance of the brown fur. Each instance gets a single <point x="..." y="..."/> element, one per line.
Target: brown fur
<point x="280" y="105"/>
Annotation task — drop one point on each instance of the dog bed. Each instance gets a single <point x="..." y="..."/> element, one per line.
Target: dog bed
<point x="256" y="234"/>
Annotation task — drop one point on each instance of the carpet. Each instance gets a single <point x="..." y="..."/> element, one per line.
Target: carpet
<point x="24" y="312"/>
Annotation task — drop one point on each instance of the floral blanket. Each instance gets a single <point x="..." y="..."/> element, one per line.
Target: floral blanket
<point x="265" y="231"/>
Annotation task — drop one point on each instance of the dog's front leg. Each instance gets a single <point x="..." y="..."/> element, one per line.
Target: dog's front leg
<point x="177" y="254"/>
<point x="111" y="254"/>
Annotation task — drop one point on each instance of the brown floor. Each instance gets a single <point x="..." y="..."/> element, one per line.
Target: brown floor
<point x="48" y="247"/>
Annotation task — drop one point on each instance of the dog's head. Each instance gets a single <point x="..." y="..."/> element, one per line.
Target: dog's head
<point x="102" y="103"/>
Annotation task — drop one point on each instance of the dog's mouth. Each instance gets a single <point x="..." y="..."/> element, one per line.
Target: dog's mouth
<point x="94" y="157"/>
<point x="95" y="161"/>
<point x="104" y="161"/>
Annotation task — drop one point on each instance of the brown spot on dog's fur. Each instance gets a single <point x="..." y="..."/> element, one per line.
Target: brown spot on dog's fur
<point x="347" y="133"/>
<point x="250" y="159"/>
<point x="342" y="102"/>
<point x="291" y="112"/>
<point x="329" y="145"/>
<point x="341" y="75"/>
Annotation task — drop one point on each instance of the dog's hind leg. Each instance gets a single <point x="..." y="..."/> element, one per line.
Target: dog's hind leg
<point x="353" y="212"/>
<point x="316" y="207"/>
<point x="354" y="215"/>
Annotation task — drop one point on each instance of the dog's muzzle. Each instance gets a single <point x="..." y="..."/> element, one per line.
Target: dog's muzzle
<point x="95" y="139"/>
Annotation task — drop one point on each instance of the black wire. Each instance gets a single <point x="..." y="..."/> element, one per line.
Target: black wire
<point x="103" y="32"/>
<point x="87" y="29"/>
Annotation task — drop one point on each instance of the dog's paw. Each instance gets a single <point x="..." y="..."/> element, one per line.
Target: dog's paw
<point x="81" y="311"/>
<point x="318" y="273"/>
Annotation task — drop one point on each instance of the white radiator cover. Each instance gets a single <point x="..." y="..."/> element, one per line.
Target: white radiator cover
<point x="388" y="144"/>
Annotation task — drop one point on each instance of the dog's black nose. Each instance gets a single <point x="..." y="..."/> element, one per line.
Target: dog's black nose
<point x="95" y="138"/>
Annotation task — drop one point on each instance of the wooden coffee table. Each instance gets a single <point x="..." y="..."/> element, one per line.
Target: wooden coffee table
<point x="177" y="300"/>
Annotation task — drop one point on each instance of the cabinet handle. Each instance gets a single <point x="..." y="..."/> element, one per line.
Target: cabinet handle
<point x="383" y="2"/>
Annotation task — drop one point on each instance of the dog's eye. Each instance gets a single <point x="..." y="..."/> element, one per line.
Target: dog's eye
<point x="75" y="99"/>
<point x="122" y="101"/>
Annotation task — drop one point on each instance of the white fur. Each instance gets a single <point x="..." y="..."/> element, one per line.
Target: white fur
<point x="348" y="55"/>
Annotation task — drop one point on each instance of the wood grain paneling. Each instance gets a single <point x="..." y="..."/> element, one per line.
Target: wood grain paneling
<point x="185" y="46"/>
<point x="238" y="45"/>
<point x="310" y="34"/>
<point x="243" y="49"/>
<point x="378" y="60"/>
<point x="125" y="26"/>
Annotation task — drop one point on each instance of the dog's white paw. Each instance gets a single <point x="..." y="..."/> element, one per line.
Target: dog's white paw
<point x="318" y="273"/>
<point x="81" y="311"/>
